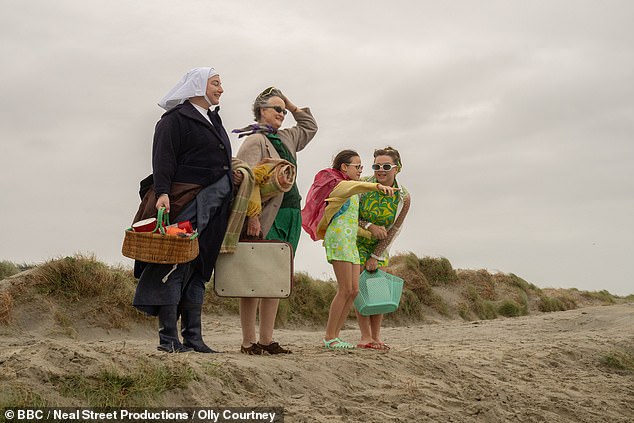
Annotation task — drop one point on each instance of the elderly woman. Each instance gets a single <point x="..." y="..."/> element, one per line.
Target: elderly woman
<point x="280" y="218"/>
<point x="383" y="216"/>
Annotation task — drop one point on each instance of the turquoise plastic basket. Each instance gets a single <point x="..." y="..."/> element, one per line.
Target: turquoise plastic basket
<point x="379" y="293"/>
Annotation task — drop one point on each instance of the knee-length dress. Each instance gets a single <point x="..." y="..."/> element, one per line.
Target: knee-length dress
<point x="340" y="240"/>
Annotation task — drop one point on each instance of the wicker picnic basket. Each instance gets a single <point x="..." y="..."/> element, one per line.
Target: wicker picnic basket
<point x="157" y="247"/>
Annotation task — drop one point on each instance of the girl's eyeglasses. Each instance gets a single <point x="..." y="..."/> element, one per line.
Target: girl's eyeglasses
<point x="278" y="109"/>
<point x="357" y="165"/>
<point x="386" y="167"/>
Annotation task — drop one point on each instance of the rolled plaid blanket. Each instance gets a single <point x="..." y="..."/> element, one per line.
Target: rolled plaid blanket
<point x="274" y="176"/>
<point x="238" y="206"/>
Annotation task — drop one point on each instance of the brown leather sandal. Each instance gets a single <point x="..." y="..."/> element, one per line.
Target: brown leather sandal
<point x="274" y="348"/>
<point x="253" y="349"/>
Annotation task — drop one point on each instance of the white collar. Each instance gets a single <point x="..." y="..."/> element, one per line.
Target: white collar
<point x="202" y="111"/>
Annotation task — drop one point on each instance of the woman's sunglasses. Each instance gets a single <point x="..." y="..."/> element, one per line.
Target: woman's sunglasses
<point x="358" y="166"/>
<point x="386" y="167"/>
<point x="278" y="109"/>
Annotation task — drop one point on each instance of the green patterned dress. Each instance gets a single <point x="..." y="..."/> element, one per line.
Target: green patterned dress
<point x="379" y="209"/>
<point x="341" y="235"/>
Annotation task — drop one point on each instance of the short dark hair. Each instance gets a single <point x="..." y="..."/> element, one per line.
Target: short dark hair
<point x="389" y="151"/>
<point x="343" y="157"/>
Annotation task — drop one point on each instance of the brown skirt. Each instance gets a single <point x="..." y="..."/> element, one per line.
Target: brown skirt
<point x="180" y="195"/>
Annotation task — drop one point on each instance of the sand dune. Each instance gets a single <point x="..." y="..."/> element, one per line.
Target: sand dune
<point x="544" y="367"/>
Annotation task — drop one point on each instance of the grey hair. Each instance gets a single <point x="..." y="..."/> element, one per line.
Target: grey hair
<point x="262" y="100"/>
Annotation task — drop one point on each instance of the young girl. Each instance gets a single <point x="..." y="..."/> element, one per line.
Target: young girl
<point x="331" y="214"/>
<point x="382" y="216"/>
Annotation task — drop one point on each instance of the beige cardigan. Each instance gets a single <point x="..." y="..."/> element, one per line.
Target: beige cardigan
<point x="257" y="147"/>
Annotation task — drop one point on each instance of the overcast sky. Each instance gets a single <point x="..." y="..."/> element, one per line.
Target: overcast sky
<point x="515" y="119"/>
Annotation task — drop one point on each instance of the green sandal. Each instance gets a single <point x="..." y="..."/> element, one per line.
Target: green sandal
<point x="337" y="344"/>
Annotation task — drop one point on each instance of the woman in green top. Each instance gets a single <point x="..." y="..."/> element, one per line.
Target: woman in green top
<point x="280" y="218"/>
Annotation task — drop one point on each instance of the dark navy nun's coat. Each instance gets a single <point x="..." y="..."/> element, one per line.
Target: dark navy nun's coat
<point x="188" y="149"/>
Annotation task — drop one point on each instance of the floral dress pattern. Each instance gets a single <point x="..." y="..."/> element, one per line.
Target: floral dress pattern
<point x="379" y="209"/>
<point x="341" y="236"/>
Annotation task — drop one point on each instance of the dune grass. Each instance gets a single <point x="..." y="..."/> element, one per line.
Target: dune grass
<point x="145" y="384"/>
<point x="621" y="360"/>
<point x="603" y="296"/>
<point x="8" y="269"/>
<point x="438" y="271"/>
<point x="19" y="395"/>
<point x="413" y="272"/>
<point x="116" y="388"/>
<point x="87" y="289"/>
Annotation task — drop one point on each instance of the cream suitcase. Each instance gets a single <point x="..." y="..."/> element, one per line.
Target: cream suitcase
<point x="258" y="268"/>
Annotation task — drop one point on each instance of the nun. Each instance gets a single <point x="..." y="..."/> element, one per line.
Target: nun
<point x="192" y="178"/>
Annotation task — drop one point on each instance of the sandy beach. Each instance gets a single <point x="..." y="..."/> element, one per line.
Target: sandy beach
<point x="539" y="368"/>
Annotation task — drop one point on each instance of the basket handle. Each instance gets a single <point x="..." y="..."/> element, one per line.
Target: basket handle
<point x="162" y="220"/>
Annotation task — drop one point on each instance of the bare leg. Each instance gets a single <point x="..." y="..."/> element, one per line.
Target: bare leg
<point x="340" y="305"/>
<point x="375" y="325"/>
<point x="352" y="294"/>
<point x="364" y="327"/>
<point x="268" y="312"/>
<point x="248" y="311"/>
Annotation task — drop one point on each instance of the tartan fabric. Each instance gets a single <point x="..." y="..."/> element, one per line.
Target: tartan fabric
<point x="238" y="206"/>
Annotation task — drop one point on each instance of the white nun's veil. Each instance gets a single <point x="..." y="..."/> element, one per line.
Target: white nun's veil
<point x="193" y="84"/>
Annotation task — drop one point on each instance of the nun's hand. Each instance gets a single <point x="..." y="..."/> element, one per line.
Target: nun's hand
<point x="163" y="201"/>
<point x="237" y="178"/>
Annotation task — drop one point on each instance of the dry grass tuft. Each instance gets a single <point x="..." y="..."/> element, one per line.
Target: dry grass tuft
<point x="438" y="271"/>
<point x="89" y="289"/>
<point x="559" y="303"/>
<point x="8" y="269"/>
<point x="409" y="268"/>
<point x="621" y="360"/>
<point x="509" y="308"/>
<point x="482" y="308"/>
<point x="114" y="388"/>
<point x="603" y="296"/>
<point x="23" y="396"/>
<point x="482" y="281"/>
